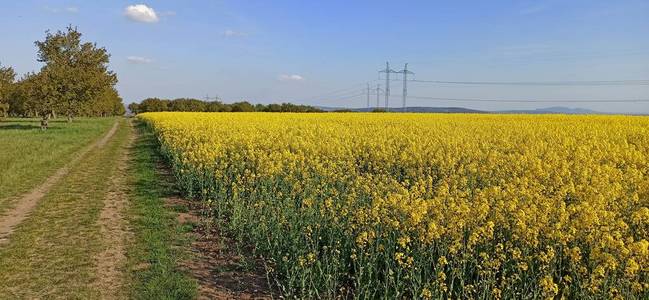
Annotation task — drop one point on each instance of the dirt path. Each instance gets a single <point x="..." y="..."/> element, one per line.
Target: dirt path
<point x="114" y="230"/>
<point x="220" y="270"/>
<point x="28" y="202"/>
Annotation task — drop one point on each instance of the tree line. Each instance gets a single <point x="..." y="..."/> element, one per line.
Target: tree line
<point x="73" y="81"/>
<point x="196" y="105"/>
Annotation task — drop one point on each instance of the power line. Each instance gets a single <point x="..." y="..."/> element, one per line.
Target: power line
<point x="352" y="92"/>
<point x="372" y="92"/>
<point x="530" y="101"/>
<point x="542" y="83"/>
<point x="208" y="98"/>
<point x="378" y="92"/>
<point x="348" y="97"/>
<point x="339" y="95"/>
<point x="354" y="87"/>
<point x="368" y="95"/>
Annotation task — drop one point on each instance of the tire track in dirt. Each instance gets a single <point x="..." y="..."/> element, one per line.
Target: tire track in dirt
<point x="114" y="230"/>
<point x="26" y="204"/>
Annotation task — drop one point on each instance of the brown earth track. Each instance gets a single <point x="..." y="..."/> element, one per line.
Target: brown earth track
<point x="26" y="204"/>
<point x="114" y="230"/>
<point x="220" y="270"/>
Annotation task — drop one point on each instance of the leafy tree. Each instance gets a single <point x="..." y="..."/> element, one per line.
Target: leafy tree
<point x="273" y="108"/>
<point x="40" y="96"/>
<point x="7" y="78"/>
<point x="260" y="107"/>
<point x="214" y="106"/>
<point x="18" y="98"/>
<point x="184" y="104"/>
<point x="226" y="108"/>
<point x="134" y="108"/>
<point x="108" y="103"/>
<point x="243" y="106"/>
<point x="188" y="104"/>
<point x="76" y="72"/>
<point x="154" y="104"/>
<point x="117" y="108"/>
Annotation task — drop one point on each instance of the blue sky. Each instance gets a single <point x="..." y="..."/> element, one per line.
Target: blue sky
<point x="297" y="51"/>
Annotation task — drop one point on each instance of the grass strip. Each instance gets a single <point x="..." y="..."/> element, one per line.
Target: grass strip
<point x="155" y="256"/>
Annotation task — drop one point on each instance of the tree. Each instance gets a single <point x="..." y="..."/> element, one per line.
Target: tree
<point x="154" y="104"/>
<point x="243" y="106"/>
<point x="40" y="96"/>
<point x="76" y="72"/>
<point x="18" y="99"/>
<point x="108" y="103"/>
<point x="7" y="79"/>
<point x="183" y="104"/>
<point x="134" y="108"/>
<point x="188" y="104"/>
<point x="214" y="106"/>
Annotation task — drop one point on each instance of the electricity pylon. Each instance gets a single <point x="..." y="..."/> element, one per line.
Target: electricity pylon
<point x="387" y="72"/>
<point x="405" y="73"/>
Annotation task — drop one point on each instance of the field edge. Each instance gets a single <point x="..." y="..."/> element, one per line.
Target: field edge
<point x="160" y="242"/>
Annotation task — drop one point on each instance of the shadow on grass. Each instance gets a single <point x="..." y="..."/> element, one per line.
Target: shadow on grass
<point x="24" y="127"/>
<point x="31" y="120"/>
<point x="18" y="127"/>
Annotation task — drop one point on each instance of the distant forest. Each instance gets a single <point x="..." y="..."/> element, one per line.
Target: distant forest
<point x="196" y="105"/>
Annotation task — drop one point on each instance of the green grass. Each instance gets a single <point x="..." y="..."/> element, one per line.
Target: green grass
<point x="159" y="240"/>
<point x="51" y="254"/>
<point x="28" y="155"/>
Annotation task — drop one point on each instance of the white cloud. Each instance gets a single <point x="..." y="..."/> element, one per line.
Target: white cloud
<point x="294" y="77"/>
<point x="232" y="33"/>
<point x="141" y="13"/>
<point x="139" y="60"/>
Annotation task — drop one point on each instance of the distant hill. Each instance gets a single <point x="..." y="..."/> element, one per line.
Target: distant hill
<point x="553" y="110"/>
<point x="426" y="109"/>
<point x="418" y="109"/>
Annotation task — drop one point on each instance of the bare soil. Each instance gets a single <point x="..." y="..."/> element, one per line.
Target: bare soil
<point x="221" y="270"/>
<point x="110" y="262"/>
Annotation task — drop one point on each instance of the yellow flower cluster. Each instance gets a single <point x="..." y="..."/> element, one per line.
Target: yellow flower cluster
<point x="426" y="205"/>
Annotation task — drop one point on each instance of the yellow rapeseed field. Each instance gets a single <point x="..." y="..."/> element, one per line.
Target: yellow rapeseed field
<point x="363" y="205"/>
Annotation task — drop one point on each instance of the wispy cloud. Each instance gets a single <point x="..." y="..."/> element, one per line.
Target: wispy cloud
<point x="233" y="33"/>
<point x="139" y="60"/>
<point x="293" y="77"/>
<point x="169" y="13"/>
<point x="141" y="13"/>
<point x="526" y="50"/>
<point x="533" y="9"/>
<point x="56" y="10"/>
